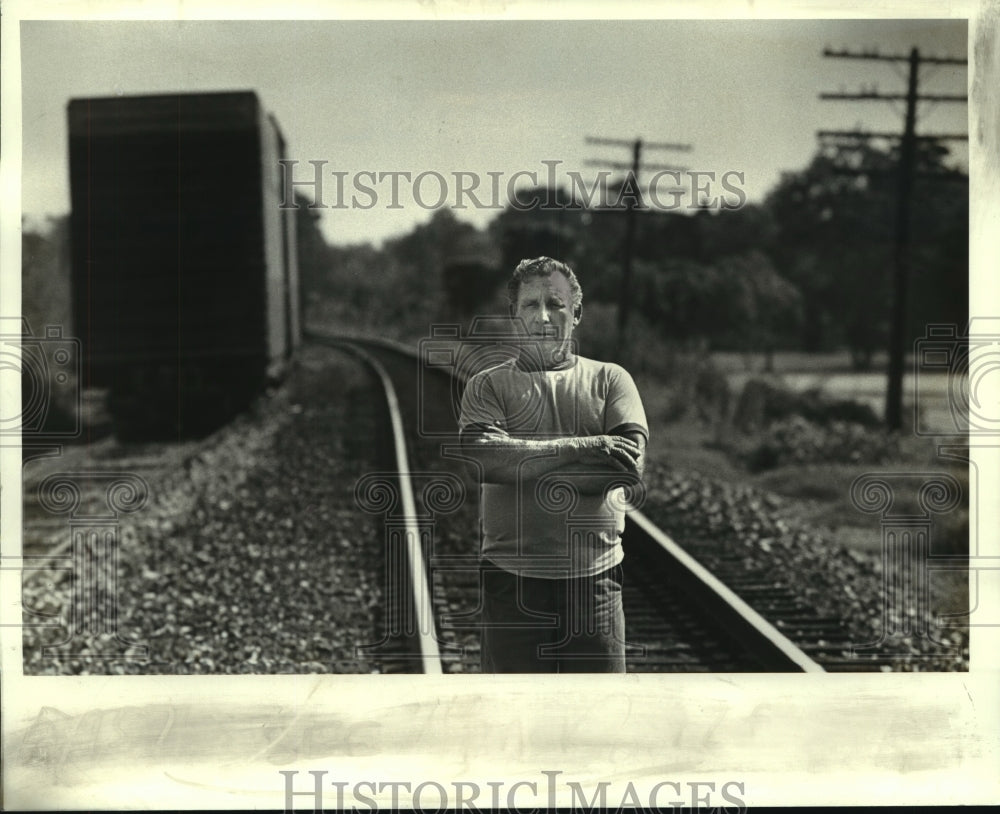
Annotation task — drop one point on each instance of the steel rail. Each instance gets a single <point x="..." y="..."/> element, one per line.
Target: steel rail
<point x="775" y="651"/>
<point x="430" y="655"/>
<point x="769" y="646"/>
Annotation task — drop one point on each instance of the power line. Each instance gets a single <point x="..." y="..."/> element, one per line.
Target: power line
<point x="905" y="174"/>
<point x="896" y="97"/>
<point x="632" y="183"/>
<point x="649" y="145"/>
<point x="871" y="134"/>
<point x="622" y="165"/>
<point x="874" y="54"/>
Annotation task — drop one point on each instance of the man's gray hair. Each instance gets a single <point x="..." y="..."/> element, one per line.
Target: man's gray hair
<point x="542" y="267"/>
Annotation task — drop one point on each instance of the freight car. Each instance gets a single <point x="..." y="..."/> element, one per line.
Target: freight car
<point x="185" y="292"/>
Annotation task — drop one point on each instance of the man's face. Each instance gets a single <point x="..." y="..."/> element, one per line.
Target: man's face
<point x="545" y="304"/>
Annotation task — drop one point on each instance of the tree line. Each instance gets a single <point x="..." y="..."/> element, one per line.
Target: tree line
<point x="808" y="268"/>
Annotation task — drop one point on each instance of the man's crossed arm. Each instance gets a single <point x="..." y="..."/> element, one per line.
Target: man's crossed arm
<point x="590" y="462"/>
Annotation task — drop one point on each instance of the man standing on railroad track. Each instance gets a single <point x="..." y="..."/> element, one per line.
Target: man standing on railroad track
<point x="558" y="438"/>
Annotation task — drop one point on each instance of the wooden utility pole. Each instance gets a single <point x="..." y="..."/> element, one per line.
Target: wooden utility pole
<point x="904" y="194"/>
<point x="632" y="183"/>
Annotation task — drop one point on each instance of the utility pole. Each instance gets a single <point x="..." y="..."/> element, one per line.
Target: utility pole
<point x="632" y="183"/>
<point x="904" y="192"/>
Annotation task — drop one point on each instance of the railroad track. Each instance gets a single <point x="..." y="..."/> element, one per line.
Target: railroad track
<point x="242" y="552"/>
<point x="91" y="469"/>
<point x="680" y="618"/>
<point x="73" y="498"/>
<point x="410" y="636"/>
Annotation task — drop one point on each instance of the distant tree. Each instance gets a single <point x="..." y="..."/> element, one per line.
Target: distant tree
<point x="372" y="293"/>
<point x="45" y="302"/>
<point x="439" y="270"/>
<point x="834" y="240"/>
<point x="545" y="222"/>
<point x="738" y="301"/>
<point x="939" y="282"/>
<point x="764" y="309"/>
<point x="45" y="274"/>
<point x="428" y="245"/>
<point x="683" y="298"/>
<point x="728" y="233"/>
<point x="454" y="262"/>
<point x="472" y="278"/>
<point x="314" y="259"/>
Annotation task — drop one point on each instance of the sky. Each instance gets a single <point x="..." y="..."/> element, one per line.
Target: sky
<point x="498" y="97"/>
<point x="503" y="97"/>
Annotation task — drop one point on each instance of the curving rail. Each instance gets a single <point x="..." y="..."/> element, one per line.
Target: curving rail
<point x="758" y="641"/>
<point x="768" y="646"/>
<point x="427" y="643"/>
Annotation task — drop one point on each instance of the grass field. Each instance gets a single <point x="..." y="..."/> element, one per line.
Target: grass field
<point x="819" y="494"/>
<point x="820" y="491"/>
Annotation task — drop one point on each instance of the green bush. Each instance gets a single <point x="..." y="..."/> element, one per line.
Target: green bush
<point x="693" y="382"/>
<point x="764" y="401"/>
<point x="796" y="440"/>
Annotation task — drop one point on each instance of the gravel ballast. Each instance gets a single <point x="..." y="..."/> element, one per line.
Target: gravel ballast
<point x="253" y="556"/>
<point x="715" y="520"/>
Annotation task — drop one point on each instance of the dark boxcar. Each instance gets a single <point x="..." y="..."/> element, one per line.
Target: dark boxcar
<point x="185" y="282"/>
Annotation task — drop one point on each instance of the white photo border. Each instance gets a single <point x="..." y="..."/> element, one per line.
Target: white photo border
<point x="112" y="742"/>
